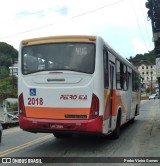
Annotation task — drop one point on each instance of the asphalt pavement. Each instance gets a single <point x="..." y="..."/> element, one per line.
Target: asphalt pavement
<point x="154" y="140"/>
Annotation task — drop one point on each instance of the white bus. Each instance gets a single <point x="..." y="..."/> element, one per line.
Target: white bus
<point x="75" y="84"/>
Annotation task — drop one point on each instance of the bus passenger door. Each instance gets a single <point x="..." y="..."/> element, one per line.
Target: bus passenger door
<point x="111" y="76"/>
<point x="129" y="96"/>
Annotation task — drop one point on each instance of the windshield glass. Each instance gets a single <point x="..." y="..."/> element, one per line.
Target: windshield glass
<point x="78" y="57"/>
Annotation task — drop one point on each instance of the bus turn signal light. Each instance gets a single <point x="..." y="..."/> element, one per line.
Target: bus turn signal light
<point x="21" y="105"/>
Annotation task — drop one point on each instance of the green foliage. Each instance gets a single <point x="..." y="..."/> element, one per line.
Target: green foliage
<point x="3" y="72"/>
<point x="147" y="90"/>
<point x="4" y="60"/>
<point x="143" y="57"/>
<point x="8" y="55"/>
<point x="8" y="88"/>
<point x="8" y="85"/>
<point x="8" y="50"/>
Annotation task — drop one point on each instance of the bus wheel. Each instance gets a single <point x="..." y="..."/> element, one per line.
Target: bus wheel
<point x="133" y="119"/>
<point x="62" y="135"/>
<point x="116" y="132"/>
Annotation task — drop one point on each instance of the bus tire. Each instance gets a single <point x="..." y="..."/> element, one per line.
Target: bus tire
<point x="116" y="132"/>
<point x="133" y="119"/>
<point x="62" y="135"/>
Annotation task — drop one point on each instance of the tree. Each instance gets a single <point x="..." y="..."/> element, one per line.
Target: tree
<point x="8" y="51"/>
<point x="8" y="55"/>
<point x="3" y="72"/>
<point x="143" y="57"/>
<point x="147" y="91"/>
<point x="8" y="84"/>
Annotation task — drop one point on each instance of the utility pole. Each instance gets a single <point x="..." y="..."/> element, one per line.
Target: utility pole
<point x="154" y="15"/>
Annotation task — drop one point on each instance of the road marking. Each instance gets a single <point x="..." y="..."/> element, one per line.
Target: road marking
<point x="20" y="147"/>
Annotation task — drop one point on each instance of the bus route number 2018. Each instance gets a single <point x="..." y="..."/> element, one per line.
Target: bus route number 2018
<point x="35" y="101"/>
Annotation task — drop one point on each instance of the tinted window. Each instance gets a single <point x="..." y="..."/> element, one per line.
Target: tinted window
<point x="106" y="75"/>
<point x="118" y="75"/>
<point x="125" y="78"/>
<point x="59" y="56"/>
<point x="121" y="76"/>
<point x="135" y="81"/>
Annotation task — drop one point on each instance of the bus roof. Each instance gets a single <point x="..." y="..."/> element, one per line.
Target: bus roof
<point x="49" y="39"/>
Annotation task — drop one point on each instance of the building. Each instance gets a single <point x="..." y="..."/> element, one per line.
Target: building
<point x="14" y="69"/>
<point x="147" y="70"/>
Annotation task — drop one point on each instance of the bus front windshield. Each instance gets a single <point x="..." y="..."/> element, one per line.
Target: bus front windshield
<point x="78" y="57"/>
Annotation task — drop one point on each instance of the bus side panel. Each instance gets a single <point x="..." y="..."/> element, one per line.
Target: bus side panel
<point x="119" y="101"/>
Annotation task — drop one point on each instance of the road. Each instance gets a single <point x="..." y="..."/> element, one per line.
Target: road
<point x="140" y="139"/>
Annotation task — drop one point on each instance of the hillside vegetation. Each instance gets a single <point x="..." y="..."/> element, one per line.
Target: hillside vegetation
<point x="150" y="57"/>
<point x="8" y="83"/>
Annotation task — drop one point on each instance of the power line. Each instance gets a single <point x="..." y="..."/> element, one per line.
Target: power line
<point x="73" y="17"/>
<point x="139" y="25"/>
<point x="100" y="8"/>
<point x="145" y="21"/>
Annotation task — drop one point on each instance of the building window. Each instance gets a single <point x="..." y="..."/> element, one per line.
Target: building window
<point x="146" y="67"/>
<point x="142" y="67"/>
<point x="147" y="73"/>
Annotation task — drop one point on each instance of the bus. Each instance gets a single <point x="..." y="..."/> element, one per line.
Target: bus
<point x="75" y="84"/>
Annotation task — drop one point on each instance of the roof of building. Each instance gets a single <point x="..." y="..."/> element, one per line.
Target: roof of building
<point x="11" y="100"/>
<point x="146" y="63"/>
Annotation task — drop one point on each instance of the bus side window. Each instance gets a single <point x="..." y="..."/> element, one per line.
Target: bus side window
<point x="118" y="75"/>
<point x="137" y="82"/>
<point x="125" y="78"/>
<point x="122" y="75"/>
<point x="134" y="81"/>
<point x="106" y="76"/>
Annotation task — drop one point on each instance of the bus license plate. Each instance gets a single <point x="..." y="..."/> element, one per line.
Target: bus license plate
<point x="56" y="126"/>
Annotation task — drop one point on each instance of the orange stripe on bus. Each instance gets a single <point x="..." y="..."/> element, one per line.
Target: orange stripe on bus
<point x="107" y="113"/>
<point x="55" y="113"/>
<point x="116" y="102"/>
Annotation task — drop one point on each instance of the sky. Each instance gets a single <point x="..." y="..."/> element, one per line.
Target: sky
<point x="123" y="24"/>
